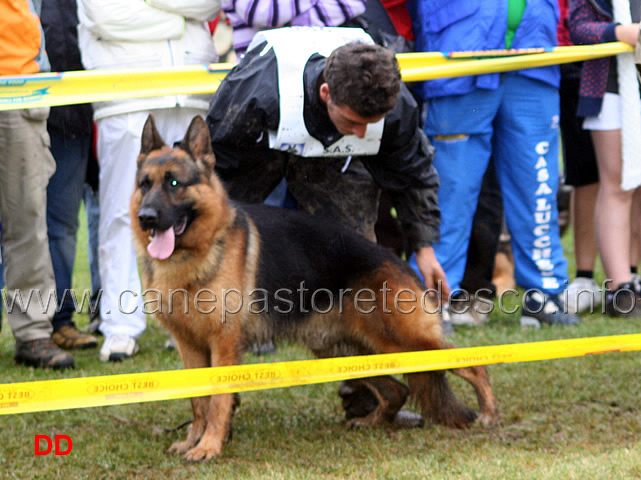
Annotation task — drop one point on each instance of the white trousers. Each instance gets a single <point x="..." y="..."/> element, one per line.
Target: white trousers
<point x="118" y="145"/>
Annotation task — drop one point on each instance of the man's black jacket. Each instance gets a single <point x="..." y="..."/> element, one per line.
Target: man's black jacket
<point x="59" y="21"/>
<point x="246" y="106"/>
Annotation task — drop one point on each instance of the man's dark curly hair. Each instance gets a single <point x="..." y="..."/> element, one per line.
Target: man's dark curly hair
<point x="364" y="77"/>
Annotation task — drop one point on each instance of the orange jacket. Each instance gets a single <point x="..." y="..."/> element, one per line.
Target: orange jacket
<point x="20" y="38"/>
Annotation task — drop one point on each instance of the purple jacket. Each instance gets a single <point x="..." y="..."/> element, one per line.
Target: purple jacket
<point x="590" y="22"/>
<point x="247" y="17"/>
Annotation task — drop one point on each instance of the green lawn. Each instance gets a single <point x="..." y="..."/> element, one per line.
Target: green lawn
<point x="575" y="418"/>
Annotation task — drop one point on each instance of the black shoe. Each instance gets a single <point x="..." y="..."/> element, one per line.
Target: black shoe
<point x="265" y="348"/>
<point x="548" y="310"/>
<point x="625" y="301"/>
<point x="42" y="353"/>
<point x="94" y="324"/>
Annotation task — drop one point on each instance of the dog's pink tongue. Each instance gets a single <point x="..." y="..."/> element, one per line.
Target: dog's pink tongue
<point x="162" y="245"/>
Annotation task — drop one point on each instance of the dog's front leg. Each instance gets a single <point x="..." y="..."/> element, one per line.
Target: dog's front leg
<point x="219" y="408"/>
<point x="199" y="406"/>
<point x="217" y="426"/>
<point x="193" y="358"/>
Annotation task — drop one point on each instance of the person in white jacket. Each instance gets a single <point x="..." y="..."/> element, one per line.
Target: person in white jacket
<point x="143" y="35"/>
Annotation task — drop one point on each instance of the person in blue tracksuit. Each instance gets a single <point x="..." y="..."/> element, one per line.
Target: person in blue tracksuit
<point x="512" y="117"/>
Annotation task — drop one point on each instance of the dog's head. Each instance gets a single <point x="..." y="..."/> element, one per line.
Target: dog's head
<point x="175" y="187"/>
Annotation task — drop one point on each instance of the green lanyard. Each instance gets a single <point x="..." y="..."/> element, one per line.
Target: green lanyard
<point x="515" y="9"/>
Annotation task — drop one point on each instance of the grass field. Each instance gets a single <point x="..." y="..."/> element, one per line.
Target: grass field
<point x="575" y="418"/>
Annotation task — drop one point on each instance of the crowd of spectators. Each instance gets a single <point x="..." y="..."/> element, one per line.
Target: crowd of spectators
<point x="458" y="159"/>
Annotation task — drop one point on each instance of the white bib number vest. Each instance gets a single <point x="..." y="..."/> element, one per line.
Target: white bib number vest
<point x="293" y="46"/>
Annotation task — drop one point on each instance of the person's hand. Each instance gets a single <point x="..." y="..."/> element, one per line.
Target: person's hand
<point x="432" y="271"/>
<point x="627" y="33"/>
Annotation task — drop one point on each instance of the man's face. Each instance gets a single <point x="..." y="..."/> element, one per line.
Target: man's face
<point x="346" y="120"/>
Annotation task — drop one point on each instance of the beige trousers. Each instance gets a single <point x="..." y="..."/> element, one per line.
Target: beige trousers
<point x="26" y="164"/>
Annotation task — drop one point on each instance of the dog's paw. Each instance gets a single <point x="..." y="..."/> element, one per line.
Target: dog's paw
<point x="179" y="447"/>
<point x="461" y="418"/>
<point x="489" y="420"/>
<point x="202" y="453"/>
<point x="358" y="422"/>
<point x="374" y="418"/>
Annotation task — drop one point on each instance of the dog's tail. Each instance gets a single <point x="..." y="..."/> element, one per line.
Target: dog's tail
<point x="431" y="392"/>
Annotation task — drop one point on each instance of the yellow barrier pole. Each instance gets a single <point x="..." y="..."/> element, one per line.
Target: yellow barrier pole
<point x="413" y="71"/>
<point x="168" y="385"/>
<point x="414" y="60"/>
<point x="53" y="89"/>
<point x="66" y="88"/>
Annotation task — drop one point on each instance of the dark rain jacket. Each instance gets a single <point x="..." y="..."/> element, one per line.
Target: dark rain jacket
<point x="59" y="22"/>
<point x="246" y="106"/>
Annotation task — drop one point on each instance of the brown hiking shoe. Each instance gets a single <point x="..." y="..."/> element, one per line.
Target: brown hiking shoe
<point x="42" y="353"/>
<point x="70" y="338"/>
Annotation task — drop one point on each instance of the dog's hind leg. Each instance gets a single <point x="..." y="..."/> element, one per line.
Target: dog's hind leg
<point x="433" y="393"/>
<point x="373" y="400"/>
<point x="431" y="390"/>
<point x="477" y="376"/>
<point x="412" y="328"/>
<point x="393" y="333"/>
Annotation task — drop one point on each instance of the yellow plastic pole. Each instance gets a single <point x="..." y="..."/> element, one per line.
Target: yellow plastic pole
<point x="168" y="385"/>
<point x="53" y="89"/>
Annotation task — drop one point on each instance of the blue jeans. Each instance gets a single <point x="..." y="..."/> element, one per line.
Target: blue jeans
<point x="92" y="209"/>
<point x="517" y="125"/>
<point x="64" y="195"/>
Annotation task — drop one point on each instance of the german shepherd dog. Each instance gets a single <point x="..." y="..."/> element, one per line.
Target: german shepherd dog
<point x="190" y="236"/>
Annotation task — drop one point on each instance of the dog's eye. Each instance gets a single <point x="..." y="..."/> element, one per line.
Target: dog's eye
<point x="144" y="184"/>
<point x="173" y="184"/>
<point x="171" y="181"/>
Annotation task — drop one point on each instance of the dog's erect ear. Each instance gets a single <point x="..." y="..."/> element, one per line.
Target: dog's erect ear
<point x="151" y="139"/>
<point x="197" y="143"/>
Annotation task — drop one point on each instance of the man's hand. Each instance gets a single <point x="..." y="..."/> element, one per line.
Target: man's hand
<point x="627" y="33"/>
<point x="432" y="271"/>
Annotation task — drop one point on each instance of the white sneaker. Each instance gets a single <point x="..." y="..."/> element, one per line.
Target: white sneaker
<point x="118" y="347"/>
<point x="448" y="329"/>
<point x="171" y="344"/>
<point x="581" y="295"/>
<point x="471" y="313"/>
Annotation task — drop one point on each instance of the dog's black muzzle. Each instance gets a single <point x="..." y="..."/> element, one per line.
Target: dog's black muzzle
<point x="148" y="218"/>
